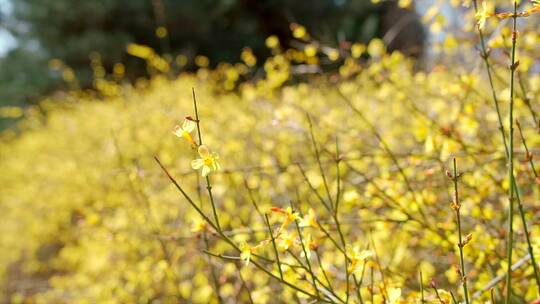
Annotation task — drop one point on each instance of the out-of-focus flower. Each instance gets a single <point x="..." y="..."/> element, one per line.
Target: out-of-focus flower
<point x="310" y="50"/>
<point x="482" y="15"/>
<point x="161" y="32"/>
<point x="298" y="31"/>
<point x="285" y="241"/>
<point x="357" y="50"/>
<point x="291" y="216"/>
<point x="272" y="42"/>
<point x="208" y="161"/>
<point x="248" y="57"/>
<point x="202" y="61"/>
<point x="245" y="253"/>
<point x="394" y="295"/>
<point x="309" y="219"/>
<point x="333" y="54"/>
<point x="185" y="131"/>
<point x="199" y="225"/>
<point x="356" y="256"/>
<point x="405" y="3"/>
<point x="309" y="244"/>
<point x="141" y="51"/>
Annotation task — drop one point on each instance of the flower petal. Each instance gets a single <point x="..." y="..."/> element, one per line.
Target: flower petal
<point x="203" y="151"/>
<point x="216" y="165"/>
<point x="197" y="163"/>
<point x="188" y="125"/>
<point x="206" y="170"/>
<point x="188" y="137"/>
<point x="177" y="131"/>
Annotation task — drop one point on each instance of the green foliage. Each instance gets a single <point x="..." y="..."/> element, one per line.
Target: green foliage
<point x="71" y="30"/>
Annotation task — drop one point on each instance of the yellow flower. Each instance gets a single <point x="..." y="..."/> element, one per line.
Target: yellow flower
<point x="285" y="241"/>
<point x="355" y="256"/>
<point x="208" y="161"/>
<point x="298" y="31"/>
<point x="405" y="3"/>
<point x="309" y="220"/>
<point x="245" y="253"/>
<point x="333" y="54"/>
<point x="357" y="50"/>
<point x="185" y="131"/>
<point x="291" y="216"/>
<point x="310" y="50"/>
<point x="482" y="15"/>
<point x="394" y="295"/>
<point x="309" y="244"/>
<point x="272" y="42"/>
<point x="199" y="225"/>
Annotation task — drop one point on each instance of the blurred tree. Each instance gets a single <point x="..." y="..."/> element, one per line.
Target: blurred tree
<point x="23" y="73"/>
<point x="70" y="30"/>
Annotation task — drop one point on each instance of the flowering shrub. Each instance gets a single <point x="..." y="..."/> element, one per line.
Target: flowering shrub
<point x="374" y="183"/>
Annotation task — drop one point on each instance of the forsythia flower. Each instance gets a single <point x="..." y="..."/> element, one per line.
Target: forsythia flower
<point x="291" y="216"/>
<point x="309" y="244"/>
<point x="356" y="256"/>
<point x="482" y="15"/>
<point x="285" y="241"/>
<point x="298" y="31"/>
<point x="357" y="50"/>
<point x="394" y="294"/>
<point x="185" y="131"/>
<point x="272" y="42"/>
<point x="309" y="220"/>
<point x="199" y="225"/>
<point x="208" y="161"/>
<point x="245" y="253"/>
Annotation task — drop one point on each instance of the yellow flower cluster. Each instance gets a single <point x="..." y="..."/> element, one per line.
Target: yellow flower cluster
<point x="88" y="217"/>
<point x="208" y="161"/>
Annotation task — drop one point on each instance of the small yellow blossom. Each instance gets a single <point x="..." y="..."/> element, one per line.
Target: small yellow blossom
<point x="245" y="252"/>
<point x="202" y="61"/>
<point x="199" y="225"/>
<point x="333" y="54"/>
<point x="248" y="57"/>
<point x="298" y="31"/>
<point x="405" y="3"/>
<point x="376" y="48"/>
<point x="309" y="220"/>
<point x="291" y="216"/>
<point x="208" y="161"/>
<point x="309" y="244"/>
<point x="285" y="241"/>
<point x="355" y="256"/>
<point x="394" y="295"/>
<point x="482" y="15"/>
<point x="161" y="32"/>
<point x="185" y="131"/>
<point x="310" y="50"/>
<point x="141" y="51"/>
<point x="272" y="42"/>
<point x="357" y="50"/>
